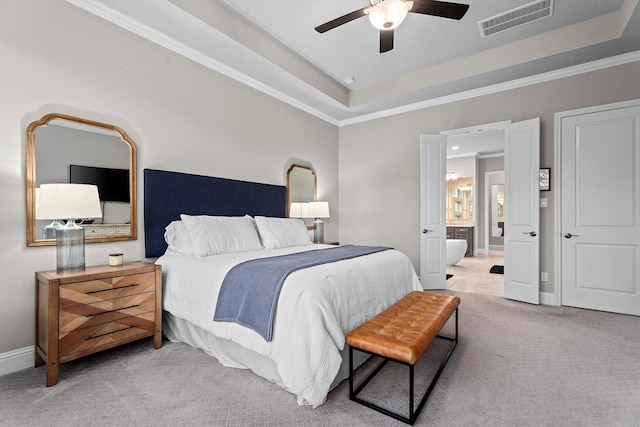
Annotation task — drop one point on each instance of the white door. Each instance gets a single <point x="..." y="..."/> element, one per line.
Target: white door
<point x="522" y="230"/>
<point x="433" y="233"/>
<point x="600" y="156"/>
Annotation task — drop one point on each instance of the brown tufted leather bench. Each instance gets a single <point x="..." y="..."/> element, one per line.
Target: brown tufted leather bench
<point x="402" y="333"/>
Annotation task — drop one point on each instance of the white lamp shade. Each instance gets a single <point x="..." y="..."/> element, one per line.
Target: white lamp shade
<point x="318" y="209"/>
<point x="298" y="210"/>
<point x="388" y="14"/>
<point x="61" y="201"/>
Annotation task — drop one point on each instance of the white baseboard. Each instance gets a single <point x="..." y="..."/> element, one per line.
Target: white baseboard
<point x="17" y="360"/>
<point x="486" y="252"/>
<point x="548" y="298"/>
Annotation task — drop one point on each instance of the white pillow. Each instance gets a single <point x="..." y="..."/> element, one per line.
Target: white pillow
<point x="177" y="237"/>
<point x="214" y="235"/>
<point x="282" y="232"/>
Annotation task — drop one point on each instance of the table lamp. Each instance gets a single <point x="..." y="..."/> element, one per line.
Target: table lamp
<point x="298" y="210"/>
<point x="318" y="210"/>
<point x="70" y="202"/>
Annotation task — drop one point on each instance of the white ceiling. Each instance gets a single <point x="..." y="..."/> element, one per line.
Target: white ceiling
<point x="482" y="142"/>
<point x="271" y="45"/>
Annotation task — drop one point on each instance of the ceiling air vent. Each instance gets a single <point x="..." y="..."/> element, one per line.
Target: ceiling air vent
<point x="516" y="17"/>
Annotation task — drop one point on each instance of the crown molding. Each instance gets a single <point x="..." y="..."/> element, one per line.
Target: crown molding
<point x="100" y="9"/>
<point x="122" y="20"/>
<point x="500" y="87"/>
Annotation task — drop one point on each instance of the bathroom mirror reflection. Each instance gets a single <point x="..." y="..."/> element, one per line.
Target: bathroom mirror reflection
<point x="497" y="215"/>
<point x="460" y="201"/>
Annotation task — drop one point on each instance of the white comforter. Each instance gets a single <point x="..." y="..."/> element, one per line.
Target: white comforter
<point x="317" y="307"/>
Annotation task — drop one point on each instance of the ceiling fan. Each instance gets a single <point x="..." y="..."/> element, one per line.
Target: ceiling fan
<point x="388" y="14"/>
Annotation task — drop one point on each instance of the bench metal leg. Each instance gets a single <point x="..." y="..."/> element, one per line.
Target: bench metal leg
<point x="413" y="415"/>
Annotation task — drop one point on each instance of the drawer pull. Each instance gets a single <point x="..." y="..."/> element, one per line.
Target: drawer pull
<point x="112" y="289"/>
<point x="112" y="311"/>
<point x="107" y="333"/>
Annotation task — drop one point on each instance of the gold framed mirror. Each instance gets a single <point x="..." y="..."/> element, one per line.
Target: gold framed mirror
<point x="301" y="185"/>
<point x="63" y="149"/>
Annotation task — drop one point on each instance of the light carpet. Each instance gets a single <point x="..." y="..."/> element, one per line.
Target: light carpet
<point x="515" y="365"/>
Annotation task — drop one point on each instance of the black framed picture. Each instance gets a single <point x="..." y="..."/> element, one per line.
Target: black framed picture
<point x="545" y="179"/>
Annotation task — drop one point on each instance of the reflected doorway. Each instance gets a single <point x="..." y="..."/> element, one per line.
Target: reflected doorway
<point x="494" y="212"/>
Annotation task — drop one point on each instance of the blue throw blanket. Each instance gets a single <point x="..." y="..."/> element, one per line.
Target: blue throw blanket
<point x="250" y="290"/>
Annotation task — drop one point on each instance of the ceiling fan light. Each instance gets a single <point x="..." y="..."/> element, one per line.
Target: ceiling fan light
<point x="388" y="14"/>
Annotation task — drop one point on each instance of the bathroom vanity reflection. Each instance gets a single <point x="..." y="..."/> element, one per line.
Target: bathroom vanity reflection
<point x="460" y="201"/>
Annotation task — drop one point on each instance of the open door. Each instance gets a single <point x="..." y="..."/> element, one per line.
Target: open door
<point x="433" y="233"/>
<point x="522" y="216"/>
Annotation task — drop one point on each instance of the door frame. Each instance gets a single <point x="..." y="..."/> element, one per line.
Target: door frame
<point x="471" y="129"/>
<point x="502" y="125"/>
<point x="556" y="181"/>
<point x="508" y="127"/>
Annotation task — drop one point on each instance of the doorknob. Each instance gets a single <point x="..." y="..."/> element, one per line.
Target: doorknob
<point x="569" y="235"/>
<point x="425" y="231"/>
<point x="531" y="233"/>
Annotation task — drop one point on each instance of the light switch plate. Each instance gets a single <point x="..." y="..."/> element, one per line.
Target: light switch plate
<point x="543" y="202"/>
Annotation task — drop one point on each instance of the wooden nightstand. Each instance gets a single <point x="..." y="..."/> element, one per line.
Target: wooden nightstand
<point x="81" y="313"/>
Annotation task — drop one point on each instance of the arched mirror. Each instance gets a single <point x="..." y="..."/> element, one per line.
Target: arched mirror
<point x="301" y="185"/>
<point x="65" y="149"/>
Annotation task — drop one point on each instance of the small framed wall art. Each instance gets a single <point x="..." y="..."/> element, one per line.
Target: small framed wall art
<point x="545" y="179"/>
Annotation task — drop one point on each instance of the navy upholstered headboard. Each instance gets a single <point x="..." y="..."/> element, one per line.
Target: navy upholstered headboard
<point x="169" y="194"/>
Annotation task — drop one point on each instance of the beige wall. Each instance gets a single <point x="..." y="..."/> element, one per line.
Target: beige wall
<point x="54" y="57"/>
<point x="384" y="154"/>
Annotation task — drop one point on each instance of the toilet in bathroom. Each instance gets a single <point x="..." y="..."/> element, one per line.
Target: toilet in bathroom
<point x="456" y="248"/>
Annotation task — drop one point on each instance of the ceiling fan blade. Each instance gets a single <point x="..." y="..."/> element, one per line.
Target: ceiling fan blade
<point x="341" y="20"/>
<point x="386" y="40"/>
<point x="442" y="9"/>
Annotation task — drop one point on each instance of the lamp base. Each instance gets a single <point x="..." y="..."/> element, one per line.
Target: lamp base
<point x="49" y="231"/>
<point x="69" y="248"/>
<point x="318" y="232"/>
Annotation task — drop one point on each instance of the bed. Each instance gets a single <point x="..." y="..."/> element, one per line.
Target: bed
<point x="316" y="306"/>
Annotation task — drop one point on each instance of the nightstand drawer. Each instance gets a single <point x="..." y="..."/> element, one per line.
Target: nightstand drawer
<point x="105" y="334"/>
<point x="102" y="289"/>
<point x="83" y="316"/>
